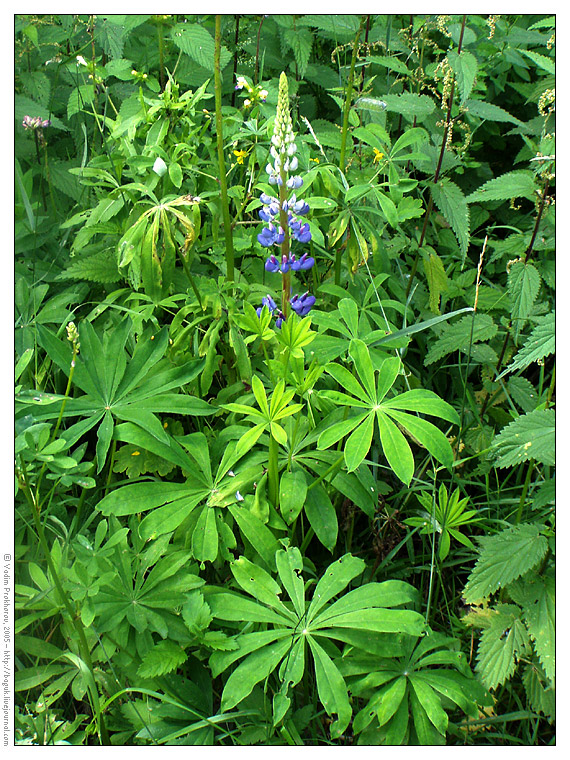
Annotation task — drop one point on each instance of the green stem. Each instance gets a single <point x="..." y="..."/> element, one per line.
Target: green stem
<point x="64" y="598"/>
<point x="221" y="161"/>
<point x="160" y="54"/>
<point x="273" y="472"/>
<point x="524" y="492"/>
<point x="348" y="99"/>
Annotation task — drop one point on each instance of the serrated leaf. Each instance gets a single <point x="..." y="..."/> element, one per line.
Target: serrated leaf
<point x="539" y="693"/>
<point x="450" y="200"/>
<point x="523" y="284"/>
<point x="539" y="615"/>
<point x="301" y="41"/>
<point x="540" y="343"/>
<point x="437" y="279"/>
<point x="530" y="436"/>
<point x="163" y="658"/>
<point x="504" y="558"/>
<point x="500" y="645"/>
<point x="523" y="393"/>
<point x="464" y="65"/>
<point x="412" y="106"/>
<point x="197" y="42"/>
<point x="456" y="337"/>
<point x="542" y="61"/>
<point x="490" y="112"/>
<point x="516" y="184"/>
<point x="101" y="267"/>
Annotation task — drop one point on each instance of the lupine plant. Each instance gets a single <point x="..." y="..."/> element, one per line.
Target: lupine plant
<point x="285" y="380"/>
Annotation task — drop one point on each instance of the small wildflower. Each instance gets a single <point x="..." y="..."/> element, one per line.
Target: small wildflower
<point x="240" y="155"/>
<point x="239" y="497"/>
<point x="315" y="160"/>
<point x="302" y="305"/>
<point x="378" y="155"/>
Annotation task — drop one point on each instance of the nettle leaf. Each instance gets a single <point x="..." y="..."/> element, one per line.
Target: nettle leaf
<point x="500" y="645"/>
<point x="301" y="41"/>
<point x="464" y="65"/>
<point x="101" y="267"/>
<point x="198" y="43"/>
<point x="451" y="201"/>
<point x="523" y="284"/>
<point x="504" y="558"/>
<point x="540" y="343"/>
<point x="412" y="106"/>
<point x="538" y="601"/>
<point x="163" y="658"/>
<point x="490" y="112"/>
<point x="517" y="184"/>
<point x="539" y="692"/>
<point x="456" y="337"/>
<point x="437" y="279"/>
<point x="530" y="436"/>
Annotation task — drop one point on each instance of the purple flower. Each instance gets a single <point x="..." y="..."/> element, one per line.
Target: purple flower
<point x="294" y="183"/>
<point x="279" y="320"/>
<point x="302" y="305"/>
<point x="266" y="199"/>
<point x="266" y="301"/>
<point x="301" y="207"/>
<point x="304" y="234"/>
<point x="272" y="264"/>
<point x="269" y="236"/>
<point x="305" y="262"/>
<point x="263" y="215"/>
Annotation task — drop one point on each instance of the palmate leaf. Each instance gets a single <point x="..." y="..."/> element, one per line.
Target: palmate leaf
<point x="530" y="436"/>
<point x="504" y="558"/>
<point x="331" y="688"/>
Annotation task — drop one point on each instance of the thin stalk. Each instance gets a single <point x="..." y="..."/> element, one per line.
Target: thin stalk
<point x="257" y="51"/>
<point x="236" y="40"/>
<point x="160" y="54"/>
<point x="220" y="144"/>
<point x="348" y="98"/>
<point x="524" y="492"/>
<point x="529" y="251"/>
<point x="438" y="168"/>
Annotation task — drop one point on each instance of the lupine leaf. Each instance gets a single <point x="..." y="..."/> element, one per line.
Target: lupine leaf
<point x="292" y="494"/>
<point x="331" y="689"/>
<point x="251" y="671"/>
<point x="530" y="436"/>
<point x="335" y="579"/>
<point x="396" y="449"/>
<point x="322" y="516"/>
<point x="503" y="558"/>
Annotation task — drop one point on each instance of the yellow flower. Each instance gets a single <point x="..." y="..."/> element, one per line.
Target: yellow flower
<point x="240" y="155"/>
<point x="377" y="155"/>
<point x="316" y="160"/>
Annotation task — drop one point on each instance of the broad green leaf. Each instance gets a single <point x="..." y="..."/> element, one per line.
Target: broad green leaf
<point x="503" y="558"/>
<point x="392" y="696"/>
<point x="337" y="431"/>
<point x="457" y="337"/>
<point x="501" y="645"/>
<point x="451" y="202"/>
<point x="259" y="536"/>
<point x="542" y="61"/>
<point x="396" y="449"/>
<point x="489" y="111"/>
<point x="464" y="65"/>
<point x="437" y="279"/>
<point x="164" y="657"/>
<point x="205" y="536"/>
<point x="292" y="494"/>
<point x="539" y="616"/>
<point x="387" y="374"/>
<point x="290" y="566"/>
<point x="412" y="106"/>
<point x="530" y="436"/>
<point x="524" y="284"/>
<point x="331" y="689"/>
<point x="360" y="355"/>
<point x="259" y="584"/>
<point x="358" y="444"/>
<point x="167" y="518"/>
<point x="228" y="606"/>
<point x="516" y="184"/>
<point x="322" y="516"/>
<point x="251" y="671"/>
<point x="385" y="594"/>
<point x="428" y="435"/>
<point x="195" y="41"/>
<point x="245" y="643"/>
<point x="140" y="497"/>
<point x="424" y="401"/>
<point x="539" y="344"/>
<point x="431" y="704"/>
<point x="336" y="578"/>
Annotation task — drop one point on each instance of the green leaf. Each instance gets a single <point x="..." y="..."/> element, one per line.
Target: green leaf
<point x="322" y="516"/>
<point x="504" y="558"/>
<point x="456" y="337"/>
<point x="237" y="607"/>
<point x="412" y="106"/>
<point x="290" y="566"/>
<point x="437" y="279"/>
<point x="358" y="444"/>
<point x="500" y="645"/>
<point x="360" y="355"/>
<point x="195" y="41"/>
<point x="331" y="689"/>
<point x="259" y="536"/>
<point x="337" y="431"/>
<point x="259" y="584"/>
<point x="336" y="578"/>
<point x="489" y="112"/>
<point x="516" y="184"/>
<point x="424" y="401"/>
<point x="542" y="61"/>
<point x="301" y="41"/>
<point x="426" y="732"/>
<point x="428" y="435"/>
<point x="163" y="658"/>
<point x="205" y="536"/>
<point x="251" y="671"/>
<point x="392" y="696"/>
<point x="539" y="344"/>
<point x="292" y="494"/>
<point x="396" y="449"/>
<point x="464" y="65"/>
<point x="431" y="704"/>
<point x="539" y="616"/>
<point x="99" y="267"/>
<point x="524" y="284"/>
<point x="452" y="203"/>
<point x="530" y="436"/>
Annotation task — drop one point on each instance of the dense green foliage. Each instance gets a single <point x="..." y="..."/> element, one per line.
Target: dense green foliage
<point x="305" y="499"/>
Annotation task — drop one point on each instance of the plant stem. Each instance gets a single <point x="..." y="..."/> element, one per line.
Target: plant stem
<point x="529" y="251"/>
<point x="160" y="54"/>
<point x="524" y="492"/>
<point x="236" y="40"/>
<point x="348" y="98"/>
<point x="221" y="161"/>
<point x="273" y="472"/>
